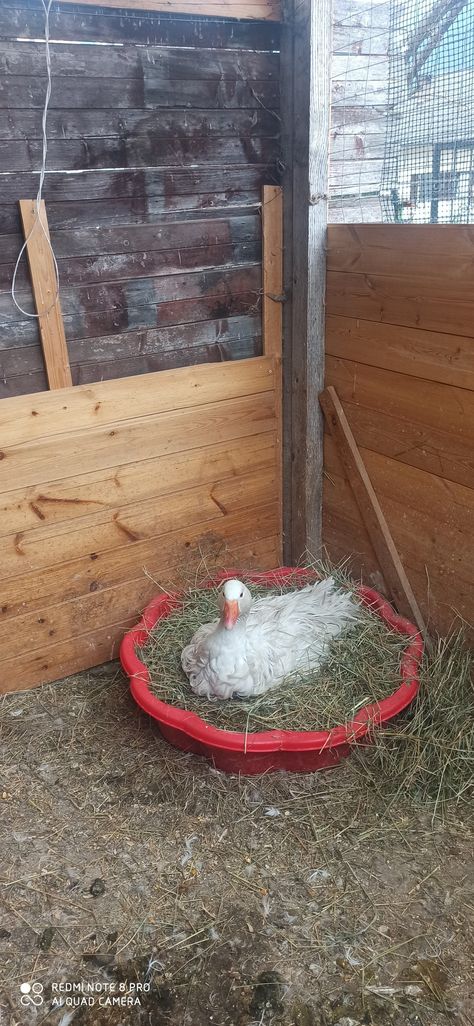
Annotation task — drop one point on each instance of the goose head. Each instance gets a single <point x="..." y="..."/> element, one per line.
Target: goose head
<point x="234" y="601"/>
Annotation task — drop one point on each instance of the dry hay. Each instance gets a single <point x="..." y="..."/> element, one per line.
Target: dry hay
<point x="362" y="667"/>
<point x="426" y="752"/>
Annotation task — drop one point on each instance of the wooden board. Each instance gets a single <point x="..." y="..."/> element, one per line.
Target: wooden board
<point x="177" y="121"/>
<point x="46" y="293"/>
<point x="106" y="403"/>
<point x="272" y="311"/>
<point x="101" y="645"/>
<point x="262" y="9"/>
<point x="400" y="353"/>
<point x="369" y="507"/>
<point x="433" y="356"/>
<point x="431" y="304"/>
<point x="19" y="20"/>
<point x="63" y="502"/>
<point x="180" y="464"/>
<point x="429" y="251"/>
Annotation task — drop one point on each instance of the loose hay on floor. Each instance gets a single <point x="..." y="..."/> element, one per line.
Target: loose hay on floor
<point x="363" y="666"/>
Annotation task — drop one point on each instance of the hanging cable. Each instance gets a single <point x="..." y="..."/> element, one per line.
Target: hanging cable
<point x="46" y="4"/>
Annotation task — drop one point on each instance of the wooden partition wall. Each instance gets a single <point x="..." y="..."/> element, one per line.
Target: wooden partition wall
<point x="400" y="352"/>
<point x="112" y="490"/>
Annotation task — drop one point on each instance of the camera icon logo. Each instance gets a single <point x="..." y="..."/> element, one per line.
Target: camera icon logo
<point x="31" y="994"/>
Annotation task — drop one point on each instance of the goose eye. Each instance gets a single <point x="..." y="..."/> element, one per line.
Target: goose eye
<point x="241" y="594"/>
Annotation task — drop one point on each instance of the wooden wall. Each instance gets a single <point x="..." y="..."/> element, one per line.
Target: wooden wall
<point x="106" y="484"/>
<point x="166" y="139"/>
<point x="400" y="352"/>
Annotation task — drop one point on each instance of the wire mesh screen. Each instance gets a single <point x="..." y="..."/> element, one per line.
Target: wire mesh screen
<point x="402" y="138"/>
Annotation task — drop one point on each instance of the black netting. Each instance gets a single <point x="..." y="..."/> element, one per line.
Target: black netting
<point x="403" y="111"/>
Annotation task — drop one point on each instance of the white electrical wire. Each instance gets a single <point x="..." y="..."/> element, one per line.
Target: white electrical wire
<point x="46" y="4"/>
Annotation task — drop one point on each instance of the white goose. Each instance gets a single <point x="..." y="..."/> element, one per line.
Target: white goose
<point x="256" y="644"/>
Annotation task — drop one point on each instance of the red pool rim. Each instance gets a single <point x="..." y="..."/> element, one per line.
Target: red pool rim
<point x="177" y="725"/>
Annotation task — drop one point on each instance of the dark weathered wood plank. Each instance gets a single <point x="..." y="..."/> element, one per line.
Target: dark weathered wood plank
<point x="96" y="310"/>
<point x="20" y="91"/>
<point x="130" y="124"/>
<point x="152" y="66"/>
<point x="25" y="20"/>
<point x="65" y="216"/>
<point x="141" y="151"/>
<point x="135" y="238"/>
<point x="169" y="183"/>
<point x="130" y="266"/>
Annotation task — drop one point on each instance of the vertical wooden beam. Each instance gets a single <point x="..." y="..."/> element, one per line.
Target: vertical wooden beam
<point x="307" y="50"/>
<point x="272" y="316"/>
<point x="43" y="281"/>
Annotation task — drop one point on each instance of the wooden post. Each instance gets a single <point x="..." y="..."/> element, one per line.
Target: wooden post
<point x="272" y="307"/>
<point x="43" y="281"/>
<point x="306" y="97"/>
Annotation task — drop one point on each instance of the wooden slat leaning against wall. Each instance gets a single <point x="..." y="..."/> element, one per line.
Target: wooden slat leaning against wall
<point x="400" y="353"/>
<point x="179" y="474"/>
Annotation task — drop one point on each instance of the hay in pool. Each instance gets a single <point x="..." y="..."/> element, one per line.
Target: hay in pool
<point x="363" y="666"/>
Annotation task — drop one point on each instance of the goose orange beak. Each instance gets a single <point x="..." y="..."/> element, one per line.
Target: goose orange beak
<point x="231" y="613"/>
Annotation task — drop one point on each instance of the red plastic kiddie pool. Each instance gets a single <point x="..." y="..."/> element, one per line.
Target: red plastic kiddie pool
<point x="298" y="751"/>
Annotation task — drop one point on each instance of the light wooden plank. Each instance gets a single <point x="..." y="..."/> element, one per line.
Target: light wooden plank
<point x="370" y="509"/>
<point x="144" y="438"/>
<point x="428" y="403"/>
<point x="432" y="575"/>
<point x="68" y="620"/>
<point x="24" y="418"/>
<point x="71" y="499"/>
<point x="263" y="10"/>
<point x="430" y="303"/>
<point x="310" y="58"/>
<point x="29" y="669"/>
<point x="272" y="238"/>
<point x="47" y="303"/>
<point x="418" y="252"/>
<point x="411" y="443"/>
<point x="450" y="504"/>
<point x="435" y="356"/>
<point x="126" y="525"/>
<point x="40" y="589"/>
<point x="272" y="312"/>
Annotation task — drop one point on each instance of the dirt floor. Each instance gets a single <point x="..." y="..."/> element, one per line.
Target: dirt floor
<point x="173" y="894"/>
